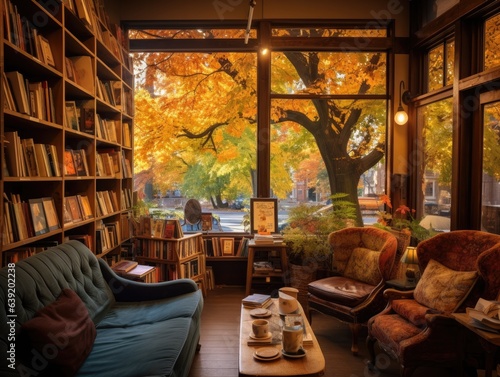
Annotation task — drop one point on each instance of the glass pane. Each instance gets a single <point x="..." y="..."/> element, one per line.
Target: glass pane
<point x="435" y="60"/>
<point x="450" y="62"/>
<point x="195" y="130"/>
<point x="190" y="34"/>
<point x="328" y="73"/>
<point x="322" y="32"/>
<point x="491" y="169"/>
<point x="323" y="146"/>
<point x="436" y="173"/>
<point x="492" y="42"/>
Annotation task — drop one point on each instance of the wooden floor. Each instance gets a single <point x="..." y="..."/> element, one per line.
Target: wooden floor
<point x="218" y="356"/>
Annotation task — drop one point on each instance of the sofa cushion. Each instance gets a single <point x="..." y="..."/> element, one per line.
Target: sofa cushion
<point x="162" y="348"/>
<point x="126" y="314"/>
<point x="63" y="332"/>
<point x="341" y="290"/>
<point x="363" y="266"/>
<point x="443" y="289"/>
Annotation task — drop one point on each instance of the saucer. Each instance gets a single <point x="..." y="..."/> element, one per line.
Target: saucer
<point x="260" y="313"/>
<point x="268" y="336"/>
<point x="298" y="355"/>
<point x="262" y="354"/>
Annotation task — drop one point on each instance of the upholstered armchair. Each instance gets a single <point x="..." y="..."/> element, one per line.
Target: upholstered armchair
<point x="362" y="262"/>
<point x="416" y="328"/>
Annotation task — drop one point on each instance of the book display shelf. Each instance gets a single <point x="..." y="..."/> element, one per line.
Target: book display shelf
<point x="66" y="127"/>
<point x="174" y="258"/>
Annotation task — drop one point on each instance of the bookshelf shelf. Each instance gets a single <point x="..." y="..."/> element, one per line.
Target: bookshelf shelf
<point x="58" y="119"/>
<point x="174" y="258"/>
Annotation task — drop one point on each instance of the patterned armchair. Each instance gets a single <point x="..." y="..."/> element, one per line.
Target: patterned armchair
<point x="363" y="262"/>
<point x="416" y="327"/>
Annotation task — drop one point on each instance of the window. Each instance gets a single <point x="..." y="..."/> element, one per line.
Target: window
<point x="492" y="42"/>
<point x="441" y="64"/>
<point x="490" y="219"/>
<point x="436" y="122"/>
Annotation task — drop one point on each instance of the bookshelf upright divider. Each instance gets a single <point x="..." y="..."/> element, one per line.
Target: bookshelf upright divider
<point x="62" y="137"/>
<point x="174" y="258"/>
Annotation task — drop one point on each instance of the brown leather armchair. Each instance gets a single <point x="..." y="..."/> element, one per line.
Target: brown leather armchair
<point x="416" y="328"/>
<point x="363" y="261"/>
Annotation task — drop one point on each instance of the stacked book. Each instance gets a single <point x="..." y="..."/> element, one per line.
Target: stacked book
<point x="268" y="239"/>
<point x="486" y="315"/>
<point x="257" y="300"/>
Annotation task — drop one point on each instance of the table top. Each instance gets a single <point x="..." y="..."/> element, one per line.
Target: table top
<point x="464" y="319"/>
<point x="312" y="364"/>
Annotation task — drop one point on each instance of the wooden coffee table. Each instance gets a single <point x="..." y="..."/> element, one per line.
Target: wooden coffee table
<point x="312" y="364"/>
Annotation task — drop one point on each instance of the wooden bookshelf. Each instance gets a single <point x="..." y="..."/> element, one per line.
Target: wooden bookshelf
<point x="63" y="138"/>
<point x="174" y="258"/>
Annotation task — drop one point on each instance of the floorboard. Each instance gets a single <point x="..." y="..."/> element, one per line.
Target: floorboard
<point x="218" y="356"/>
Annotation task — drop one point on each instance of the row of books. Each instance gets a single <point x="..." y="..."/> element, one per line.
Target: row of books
<point x="24" y="35"/>
<point x="76" y="208"/>
<point x="17" y="254"/>
<point x="148" y="226"/>
<point x="169" y="250"/>
<point x="107" y="129"/>
<point x="25" y="158"/>
<point x="189" y="270"/>
<point x="75" y="163"/>
<point x="110" y="91"/>
<point x="24" y="220"/>
<point x="107" y="203"/>
<point x="107" y="236"/>
<point x="216" y="247"/>
<point x="33" y="98"/>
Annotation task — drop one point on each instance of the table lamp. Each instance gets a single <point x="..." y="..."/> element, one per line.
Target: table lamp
<point x="410" y="258"/>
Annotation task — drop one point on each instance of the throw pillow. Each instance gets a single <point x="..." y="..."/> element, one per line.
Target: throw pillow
<point x="59" y="337"/>
<point x="363" y="266"/>
<point x="443" y="289"/>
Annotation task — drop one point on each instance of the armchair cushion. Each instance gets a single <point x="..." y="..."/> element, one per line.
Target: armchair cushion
<point x="363" y="266"/>
<point x="340" y="290"/>
<point x="443" y="289"/>
<point x="411" y="310"/>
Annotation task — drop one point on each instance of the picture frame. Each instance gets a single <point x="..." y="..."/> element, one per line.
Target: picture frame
<point x="263" y="215"/>
<point x="227" y="246"/>
<point x="206" y="221"/>
<point x="51" y="213"/>
<point x="40" y="225"/>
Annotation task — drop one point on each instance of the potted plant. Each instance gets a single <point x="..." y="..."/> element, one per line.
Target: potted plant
<point x="306" y="236"/>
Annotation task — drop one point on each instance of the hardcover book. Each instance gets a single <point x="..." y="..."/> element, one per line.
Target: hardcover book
<point x="124" y="266"/>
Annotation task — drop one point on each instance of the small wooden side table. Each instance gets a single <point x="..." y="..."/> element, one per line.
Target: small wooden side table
<point x="279" y="249"/>
<point x="489" y="341"/>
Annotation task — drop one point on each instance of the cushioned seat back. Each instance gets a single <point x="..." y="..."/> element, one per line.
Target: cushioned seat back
<point x="40" y="279"/>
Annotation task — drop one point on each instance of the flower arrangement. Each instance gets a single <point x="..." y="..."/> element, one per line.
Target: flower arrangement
<point x="402" y="219"/>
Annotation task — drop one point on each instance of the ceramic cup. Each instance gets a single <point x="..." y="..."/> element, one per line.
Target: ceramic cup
<point x="292" y="339"/>
<point x="287" y="304"/>
<point x="290" y="291"/>
<point x="260" y="328"/>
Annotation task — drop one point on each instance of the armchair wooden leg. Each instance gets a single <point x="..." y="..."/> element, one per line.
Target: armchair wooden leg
<point x="370" y="345"/>
<point x="354" y="333"/>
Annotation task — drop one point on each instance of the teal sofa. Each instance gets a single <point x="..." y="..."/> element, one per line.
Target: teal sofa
<point x="111" y="326"/>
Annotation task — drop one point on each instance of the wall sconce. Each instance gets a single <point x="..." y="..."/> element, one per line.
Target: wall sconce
<point x="401" y="116"/>
<point x="410" y="258"/>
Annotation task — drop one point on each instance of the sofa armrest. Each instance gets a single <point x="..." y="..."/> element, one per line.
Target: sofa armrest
<point x="394" y="294"/>
<point x="129" y="290"/>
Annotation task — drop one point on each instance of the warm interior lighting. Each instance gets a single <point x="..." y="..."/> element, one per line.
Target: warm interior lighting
<point x="264" y="51"/>
<point x="410" y="258"/>
<point x="401" y="116"/>
<point x="249" y="24"/>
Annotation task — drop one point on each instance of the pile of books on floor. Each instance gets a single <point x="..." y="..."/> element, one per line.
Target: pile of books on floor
<point x="257" y="300"/>
<point x="486" y="315"/>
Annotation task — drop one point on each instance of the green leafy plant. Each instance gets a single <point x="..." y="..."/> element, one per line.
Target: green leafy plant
<point x="309" y="226"/>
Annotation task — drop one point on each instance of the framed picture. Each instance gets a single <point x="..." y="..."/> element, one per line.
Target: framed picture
<point x="38" y="216"/>
<point x="206" y="221"/>
<point x="263" y="215"/>
<point x="50" y="213"/>
<point x="227" y="246"/>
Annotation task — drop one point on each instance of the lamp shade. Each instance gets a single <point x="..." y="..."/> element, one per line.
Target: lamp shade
<point x="410" y="256"/>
